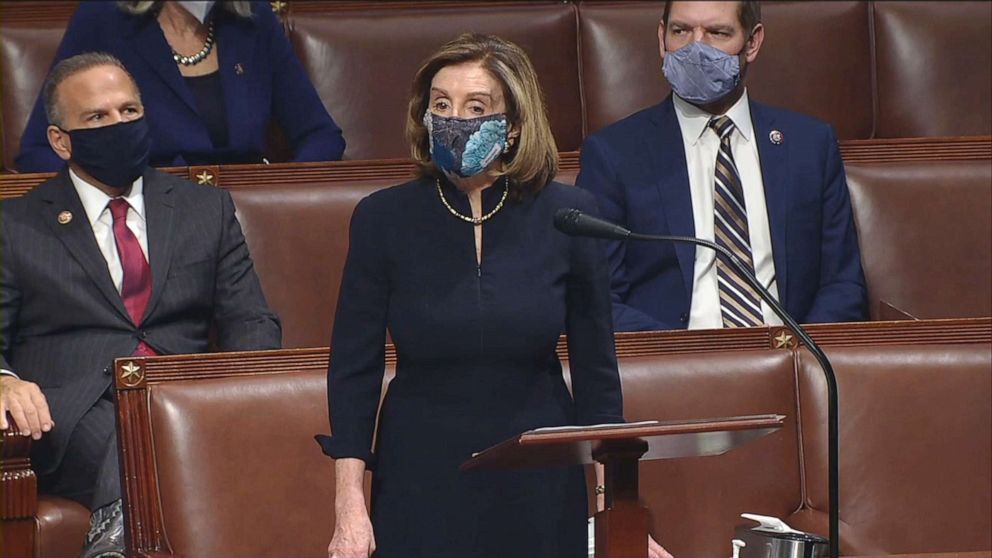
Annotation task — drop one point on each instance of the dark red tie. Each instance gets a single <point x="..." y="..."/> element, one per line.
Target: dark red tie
<point x="137" y="285"/>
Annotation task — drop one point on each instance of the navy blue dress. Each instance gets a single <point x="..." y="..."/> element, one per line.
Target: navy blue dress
<point x="476" y="365"/>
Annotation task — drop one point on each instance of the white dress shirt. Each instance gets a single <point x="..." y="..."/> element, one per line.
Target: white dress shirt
<point x="98" y="214"/>
<point x="701" y="147"/>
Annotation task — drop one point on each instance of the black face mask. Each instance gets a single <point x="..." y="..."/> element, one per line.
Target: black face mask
<point x="116" y="155"/>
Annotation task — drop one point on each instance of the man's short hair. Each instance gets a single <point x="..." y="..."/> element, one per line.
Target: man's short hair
<point x="748" y="13"/>
<point x="70" y="67"/>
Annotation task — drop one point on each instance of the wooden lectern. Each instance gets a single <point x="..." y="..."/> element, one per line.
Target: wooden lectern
<point x="622" y="527"/>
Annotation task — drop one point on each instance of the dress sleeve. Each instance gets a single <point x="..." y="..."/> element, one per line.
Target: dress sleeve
<point x="357" y="363"/>
<point x="591" y="352"/>
<point x="301" y="114"/>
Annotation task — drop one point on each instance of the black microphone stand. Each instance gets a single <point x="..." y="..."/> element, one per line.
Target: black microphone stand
<point x="828" y="370"/>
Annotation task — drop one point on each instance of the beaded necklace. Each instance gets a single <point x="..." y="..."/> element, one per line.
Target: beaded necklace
<point x="199" y="56"/>
<point x="474" y="220"/>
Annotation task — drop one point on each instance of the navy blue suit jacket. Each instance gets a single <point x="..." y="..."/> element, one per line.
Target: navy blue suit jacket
<point x="260" y="75"/>
<point x="637" y="169"/>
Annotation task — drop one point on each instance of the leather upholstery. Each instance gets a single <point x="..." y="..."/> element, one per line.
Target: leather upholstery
<point x="695" y="502"/>
<point x="934" y="64"/>
<point x="61" y="527"/>
<point x="925" y="233"/>
<point x="806" y="64"/>
<point x="915" y="460"/>
<point x="244" y="447"/>
<point x="363" y="61"/>
<point x="26" y="52"/>
<point x="237" y="451"/>
<point x="598" y="61"/>
<point x="299" y="241"/>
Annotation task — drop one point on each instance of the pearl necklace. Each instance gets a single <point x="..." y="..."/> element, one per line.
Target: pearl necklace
<point x="199" y="56"/>
<point x="474" y="220"/>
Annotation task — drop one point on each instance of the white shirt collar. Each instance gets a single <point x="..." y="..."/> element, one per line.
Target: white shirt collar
<point x="693" y="120"/>
<point x="95" y="200"/>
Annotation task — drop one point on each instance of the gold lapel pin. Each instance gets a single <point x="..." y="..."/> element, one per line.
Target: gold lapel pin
<point x="776" y="137"/>
<point x="65" y="217"/>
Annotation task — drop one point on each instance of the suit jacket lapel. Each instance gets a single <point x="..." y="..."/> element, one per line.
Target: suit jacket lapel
<point x="159" y="206"/>
<point x="77" y="236"/>
<point x="774" y="160"/>
<point x="147" y="40"/>
<point x="668" y="156"/>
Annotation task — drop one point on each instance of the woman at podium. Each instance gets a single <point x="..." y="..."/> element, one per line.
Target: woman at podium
<point x="464" y="268"/>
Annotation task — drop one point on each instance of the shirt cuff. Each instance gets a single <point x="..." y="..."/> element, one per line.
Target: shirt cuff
<point x="5" y="372"/>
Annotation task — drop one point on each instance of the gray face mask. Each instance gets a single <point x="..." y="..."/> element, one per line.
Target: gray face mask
<point x="199" y="8"/>
<point x="700" y="73"/>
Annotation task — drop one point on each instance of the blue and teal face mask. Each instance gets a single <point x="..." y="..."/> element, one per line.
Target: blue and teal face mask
<point x="465" y="147"/>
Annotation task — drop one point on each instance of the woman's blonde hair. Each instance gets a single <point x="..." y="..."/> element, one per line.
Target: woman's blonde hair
<point x="532" y="161"/>
<point x="141" y="7"/>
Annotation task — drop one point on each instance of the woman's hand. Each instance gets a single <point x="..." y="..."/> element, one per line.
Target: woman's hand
<point x="655" y="550"/>
<point x="353" y="537"/>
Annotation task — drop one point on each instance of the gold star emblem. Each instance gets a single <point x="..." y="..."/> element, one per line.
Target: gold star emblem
<point x="278" y="6"/>
<point x="783" y="340"/>
<point x="205" y="178"/>
<point x="131" y="374"/>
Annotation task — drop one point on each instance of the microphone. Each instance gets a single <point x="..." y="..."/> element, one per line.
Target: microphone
<point x="574" y="222"/>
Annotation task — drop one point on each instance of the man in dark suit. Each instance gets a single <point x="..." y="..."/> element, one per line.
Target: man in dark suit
<point x="766" y="183"/>
<point x="110" y="258"/>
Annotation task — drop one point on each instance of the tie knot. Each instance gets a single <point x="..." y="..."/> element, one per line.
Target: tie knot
<point x="118" y="208"/>
<point x="722" y="125"/>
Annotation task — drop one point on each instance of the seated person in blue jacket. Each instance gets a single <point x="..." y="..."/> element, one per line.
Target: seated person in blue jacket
<point x="212" y="76"/>
<point x="708" y="162"/>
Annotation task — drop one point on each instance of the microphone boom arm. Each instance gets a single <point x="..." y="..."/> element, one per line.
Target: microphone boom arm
<point x="828" y="370"/>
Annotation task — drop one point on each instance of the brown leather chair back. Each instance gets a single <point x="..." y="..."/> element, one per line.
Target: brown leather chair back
<point x="27" y="49"/>
<point x="759" y="477"/>
<point x="816" y="59"/>
<point x="262" y="488"/>
<point x="298" y="238"/>
<point x="362" y="62"/>
<point x="925" y="230"/>
<point x="915" y="446"/>
<point x="934" y="64"/>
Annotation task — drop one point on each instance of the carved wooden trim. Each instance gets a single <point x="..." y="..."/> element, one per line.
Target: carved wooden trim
<point x="301" y="7"/>
<point x="142" y="500"/>
<point x="18" y="494"/>
<point x="39" y="11"/>
<point x="17" y="537"/>
<point x="954" y="148"/>
<point x="18" y="481"/>
<point x="649" y="343"/>
<point x="947" y="331"/>
<point x="237" y="177"/>
<point x="143" y="516"/>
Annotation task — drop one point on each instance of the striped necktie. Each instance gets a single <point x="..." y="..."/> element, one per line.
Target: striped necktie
<point x="739" y="304"/>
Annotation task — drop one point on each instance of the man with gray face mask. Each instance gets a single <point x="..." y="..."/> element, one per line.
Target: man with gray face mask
<point x="766" y="183"/>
